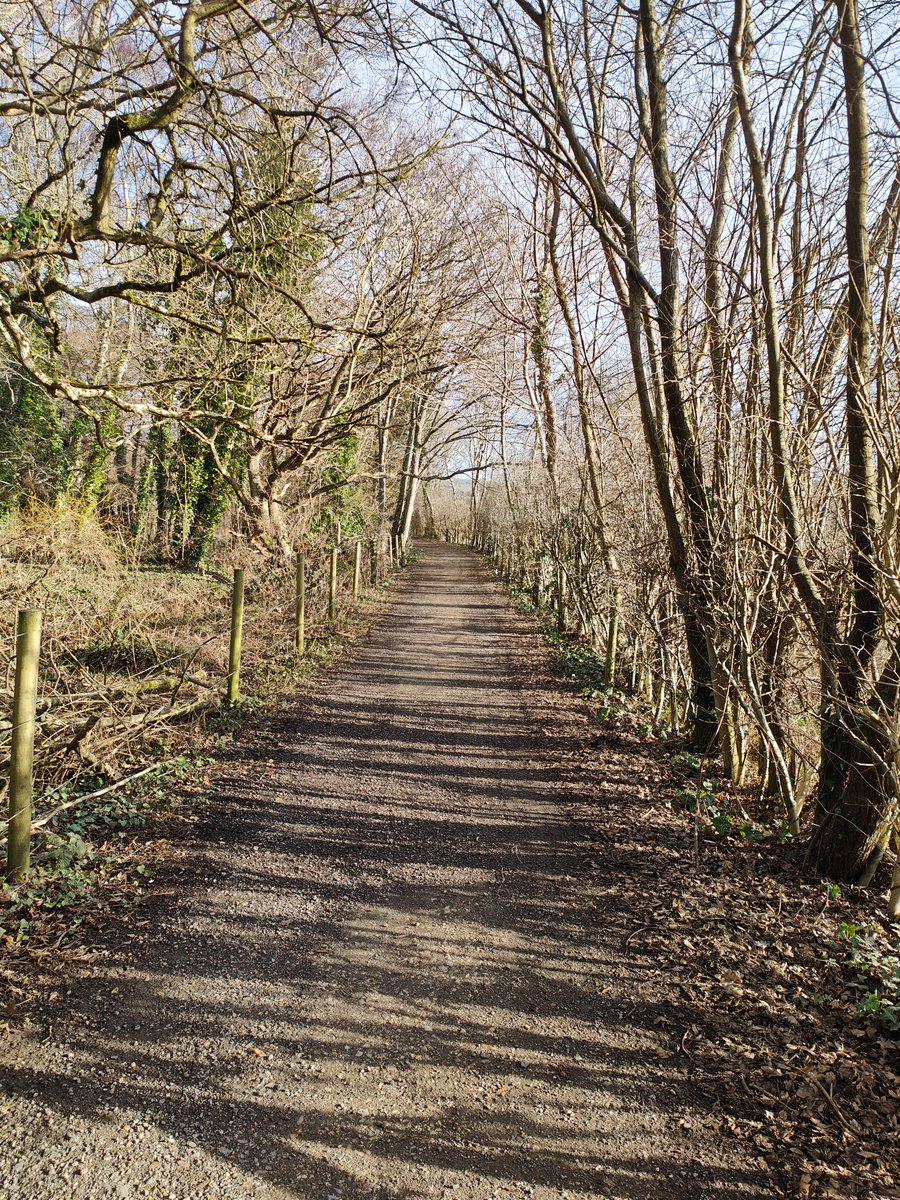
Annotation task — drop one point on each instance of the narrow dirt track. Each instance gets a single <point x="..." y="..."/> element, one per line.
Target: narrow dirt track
<point x="400" y="973"/>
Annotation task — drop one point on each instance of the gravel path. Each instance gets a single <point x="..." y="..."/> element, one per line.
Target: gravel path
<point x="399" y="972"/>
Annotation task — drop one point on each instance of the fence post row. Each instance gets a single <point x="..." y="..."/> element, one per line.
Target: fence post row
<point x="28" y="644"/>
<point x="237" y="624"/>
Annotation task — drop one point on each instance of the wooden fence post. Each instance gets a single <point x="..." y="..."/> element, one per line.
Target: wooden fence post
<point x="561" y="621"/>
<point x="237" y="626"/>
<point x="300" y="604"/>
<point x="332" y="587"/>
<point x="357" y="570"/>
<point x="375" y="564"/>
<point x="28" y="645"/>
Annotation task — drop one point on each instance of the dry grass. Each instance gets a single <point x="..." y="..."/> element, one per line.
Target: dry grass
<point x="133" y="668"/>
<point x="131" y="654"/>
<point x="48" y="535"/>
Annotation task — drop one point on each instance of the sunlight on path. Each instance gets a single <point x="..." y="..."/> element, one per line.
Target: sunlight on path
<point x="396" y="978"/>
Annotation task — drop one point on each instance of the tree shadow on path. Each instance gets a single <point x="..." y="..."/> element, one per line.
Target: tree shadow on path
<point x="400" y="969"/>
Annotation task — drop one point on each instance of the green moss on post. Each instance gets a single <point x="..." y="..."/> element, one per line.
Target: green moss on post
<point x="375" y="565"/>
<point x="237" y="625"/>
<point x="300" y="601"/>
<point x="561" y="620"/>
<point x="28" y="645"/>
<point x="357" y="570"/>
<point x="332" y="587"/>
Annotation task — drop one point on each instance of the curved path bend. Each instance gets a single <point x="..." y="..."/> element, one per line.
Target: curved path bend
<point x="401" y="969"/>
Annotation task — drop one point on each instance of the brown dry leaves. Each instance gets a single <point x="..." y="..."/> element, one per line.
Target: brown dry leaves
<point x="745" y="940"/>
<point x="736" y="942"/>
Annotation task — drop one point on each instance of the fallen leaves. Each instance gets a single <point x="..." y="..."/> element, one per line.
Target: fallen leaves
<point x="741" y="942"/>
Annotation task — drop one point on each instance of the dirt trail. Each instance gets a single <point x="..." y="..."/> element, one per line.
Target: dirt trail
<point x="402" y="973"/>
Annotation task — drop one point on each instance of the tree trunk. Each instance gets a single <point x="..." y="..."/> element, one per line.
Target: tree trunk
<point x="687" y="452"/>
<point x="591" y="451"/>
<point x="855" y="800"/>
<point x="854" y="808"/>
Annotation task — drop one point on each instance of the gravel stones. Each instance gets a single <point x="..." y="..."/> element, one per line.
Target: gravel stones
<point x="394" y="975"/>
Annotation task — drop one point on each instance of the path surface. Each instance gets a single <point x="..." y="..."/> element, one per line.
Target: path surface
<point x="402" y="974"/>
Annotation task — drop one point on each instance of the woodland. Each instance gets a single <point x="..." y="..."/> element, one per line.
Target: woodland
<point x="613" y="291"/>
<point x="606" y="291"/>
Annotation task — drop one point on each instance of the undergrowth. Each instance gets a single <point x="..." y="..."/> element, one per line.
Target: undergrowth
<point x="865" y="955"/>
<point x="100" y="852"/>
<point x="871" y="962"/>
<point x="88" y="858"/>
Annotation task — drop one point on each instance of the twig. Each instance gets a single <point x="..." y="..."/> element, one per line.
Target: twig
<point x="634" y="933"/>
<point x="850" y="1126"/>
<point x="48" y="817"/>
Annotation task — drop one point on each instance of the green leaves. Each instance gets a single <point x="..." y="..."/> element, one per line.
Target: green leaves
<point x="583" y="666"/>
<point x="32" y="228"/>
<point x="872" y="956"/>
<point x="80" y="859"/>
<point x="64" y="876"/>
<point x="704" y="796"/>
